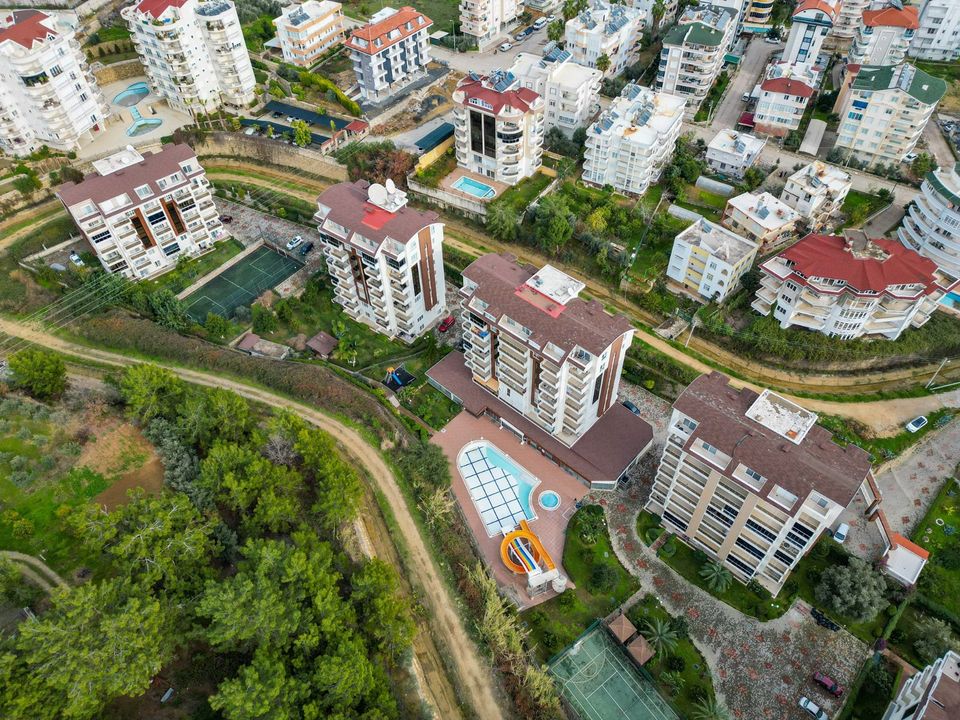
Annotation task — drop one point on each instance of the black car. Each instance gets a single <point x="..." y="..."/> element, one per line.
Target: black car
<point x="631" y="407"/>
<point x="277" y="114"/>
<point x="306" y="249"/>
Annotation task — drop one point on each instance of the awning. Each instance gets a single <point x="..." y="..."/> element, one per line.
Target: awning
<point x="731" y="58"/>
<point x="811" y="141"/>
<point x="746" y="120"/>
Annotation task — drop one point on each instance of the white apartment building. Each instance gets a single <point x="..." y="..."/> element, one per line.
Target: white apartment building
<point x="48" y="96"/>
<point x="812" y="21"/>
<point x="709" y="260"/>
<point x="931" y="694"/>
<point x="884" y="35"/>
<point x="631" y="142"/>
<point x="498" y="127"/>
<point x="886" y="110"/>
<point x="783" y="97"/>
<point x="932" y="224"/>
<point x="385" y="260"/>
<point x="752" y="480"/>
<point x="486" y="20"/>
<point x="732" y="153"/>
<point x="142" y="213"/>
<point x="848" y="18"/>
<point x="938" y="37"/>
<point x="693" y="53"/>
<point x="761" y="218"/>
<point x="851" y="286"/>
<point x="390" y="52"/>
<point x="816" y="192"/>
<point x="308" y="30"/>
<point x="569" y="90"/>
<point x="604" y="30"/>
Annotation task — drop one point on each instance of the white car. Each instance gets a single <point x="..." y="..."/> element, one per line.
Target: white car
<point x="551" y="18"/>
<point x="840" y="534"/>
<point x="294" y="243"/>
<point x="910" y="157"/>
<point x="917" y="423"/>
<point x="505" y="46"/>
<point x="811" y="707"/>
<point x="539" y="23"/>
<point x="772" y="41"/>
<point x="76" y="259"/>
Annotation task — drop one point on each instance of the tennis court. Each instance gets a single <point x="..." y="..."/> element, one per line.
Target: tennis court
<point x="601" y="683"/>
<point x="241" y="284"/>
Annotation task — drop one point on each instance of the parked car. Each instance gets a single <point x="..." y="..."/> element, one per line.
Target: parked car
<point x="840" y="534"/>
<point x="305" y="250"/>
<point x="505" y="46"/>
<point x="772" y="41"/>
<point x="631" y="407"/>
<point x="910" y="157"/>
<point x="828" y="683"/>
<point x="811" y="707"/>
<point x="296" y="242"/>
<point x="551" y="18"/>
<point x="745" y="97"/>
<point x="447" y="323"/>
<point x="76" y="259"/>
<point x="250" y="130"/>
<point x="290" y="119"/>
<point x="277" y="114"/>
<point x="822" y="620"/>
<point x="917" y="423"/>
<point x="539" y="23"/>
<point x="226" y="219"/>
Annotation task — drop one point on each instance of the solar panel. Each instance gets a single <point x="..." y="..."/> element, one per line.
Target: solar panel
<point x="763" y="212"/>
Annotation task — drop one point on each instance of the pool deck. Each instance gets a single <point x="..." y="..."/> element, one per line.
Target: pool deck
<point x="550" y="525"/>
<point x="449" y="180"/>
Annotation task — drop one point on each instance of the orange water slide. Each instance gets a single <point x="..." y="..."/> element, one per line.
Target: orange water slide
<point x="540" y="554"/>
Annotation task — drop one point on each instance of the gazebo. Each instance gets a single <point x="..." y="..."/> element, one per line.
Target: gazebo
<point x="323" y="344"/>
<point x="621" y="628"/>
<point x="640" y="650"/>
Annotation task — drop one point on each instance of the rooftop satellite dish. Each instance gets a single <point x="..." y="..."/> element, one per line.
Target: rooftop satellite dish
<point x="391" y="186"/>
<point x="377" y="194"/>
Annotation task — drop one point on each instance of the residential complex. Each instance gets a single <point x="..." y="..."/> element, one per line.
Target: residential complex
<point x="816" y="192"/>
<point x="631" y="142"/>
<point x="307" y="31"/>
<point x="390" y="52"/>
<point x="885" y="111"/>
<point x="693" y="53"/>
<point x="756" y="16"/>
<point x="604" y="30"/>
<point x="884" y="34"/>
<point x="784" y="94"/>
<point x="848" y="19"/>
<point x="931" y="694"/>
<point x="569" y="90"/>
<point x="851" y="286"/>
<point x="812" y="20"/>
<point x="142" y="213"/>
<point x="709" y="260"/>
<point x="385" y="260"/>
<point x="751" y="479"/>
<point x="486" y="20"/>
<point x="932" y="224"/>
<point x="732" y="153"/>
<point x="938" y="37"/>
<point x="761" y="218"/>
<point x="499" y="127"/>
<point x="193" y="53"/>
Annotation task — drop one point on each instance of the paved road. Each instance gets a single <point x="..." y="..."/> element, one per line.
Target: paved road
<point x="937" y="144"/>
<point x="751" y="68"/>
<point x="491" y="59"/>
<point x="886" y="221"/>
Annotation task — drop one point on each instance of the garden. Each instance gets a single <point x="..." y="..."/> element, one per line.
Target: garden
<point x="420" y="397"/>
<point x="189" y="270"/>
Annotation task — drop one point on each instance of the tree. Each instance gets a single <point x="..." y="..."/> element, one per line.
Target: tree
<point x="301" y="133"/>
<point x="180" y="464"/>
<point x="264" y="321"/>
<point x="853" y="590"/>
<point x="603" y="578"/>
<point x="168" y="310"/>
<point x="235" y="124"/>
<point x="542" y="688"/>
<point x="503" y="222"/>
<point x="922" y="165"/>
<point x="603" y="63"/>
<point x="425" y="467"/>
<point x="212" y="414"/>
<point x="556" y="30"/>
<point x="27" y="184"/>
<point x="933" y="638"/>
<point x="384" y="613"/>
<point x="217" y="326"/>
<point x="753" y="177"/>
<point x="150" y="391"/>
<point x="658" y="10"/>
<point x="750" y="281"/>
<point x="661" y="636"/>
<point x="717" y="577"/>
<point x="336" y="484"/>
<point x="41" y="373"/>
<point x="14" y="588"/>
<point x="68" y="173"/>
<point x="710" y="709"/>
<point x="263" y="689"/>
<point x="553" y="226"/>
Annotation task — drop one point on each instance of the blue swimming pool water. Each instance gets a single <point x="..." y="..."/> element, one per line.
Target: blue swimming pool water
<point x="951" y="300"/>
<point x="132" y="95"/>
<point x="474" y="187"/>
<point x="525" y="482"/>
<point x="142" y="125"/>
<point x="550" y="500"/>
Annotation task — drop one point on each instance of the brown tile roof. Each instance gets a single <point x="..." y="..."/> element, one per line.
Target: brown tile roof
<point x="156" y="8"/>
<point x="581" y="323"/>
<point x="322" y="344"/>
<point x="787" y="86"/>
<point x="817" y="463"/>
<point x="640" y="650"/>
<point x="943" y="697"/>
<point x="27" y="27"/>
<point x="621" y="628"/>
<point x="397" y="21"/>
<point x="479" y="88"/>
<point x="905" y="17"/>
<point x="600" y="455"/>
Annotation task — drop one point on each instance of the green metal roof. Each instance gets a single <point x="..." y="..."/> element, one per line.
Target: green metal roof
<point x="922" y="87"/>
<point x="943" y="189"/>
<point x="695" y="33"/>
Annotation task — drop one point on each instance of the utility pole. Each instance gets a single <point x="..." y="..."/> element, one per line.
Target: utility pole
<point x="943" y="362"/>
<point x="693" y="326"/>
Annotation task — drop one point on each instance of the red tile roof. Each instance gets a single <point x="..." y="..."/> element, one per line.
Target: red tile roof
<point x="898" y="539"/>
<point x="907" y="17"/>
<point x="820" y="5"/>
<point x="520" y="98"/>
<point x="787" y="86"/>
<point x="156" y="8"/>
<point x="27" y="28"/>
<point x="397" y="21"/>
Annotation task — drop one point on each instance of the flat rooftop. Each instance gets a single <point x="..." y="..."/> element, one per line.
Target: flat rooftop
<point x="819" y="174"/>
<point x="118" y="161"/>
<point x="736" y="143"/>
<point x="764" y="209"/>
<point x="555" y="284"/>
<point x="785" y="418"/>
<point x="718" y="241"/>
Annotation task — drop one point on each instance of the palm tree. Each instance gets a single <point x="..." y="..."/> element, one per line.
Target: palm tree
<point x="661" y="636"/>
<point x="556" y="30"/>
<point x="603" y="63"/>
<point x="718" y="578"/>
<point x="502" y="221"/>
<point x="672" y="680"/>
<point x="710" y="709"/>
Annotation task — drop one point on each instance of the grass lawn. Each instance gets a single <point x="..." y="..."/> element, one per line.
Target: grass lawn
<point x="708" y="204"/>
<point x="858" y="206"/>
<point x="939" y="532"/>
<point x="19" y="290"/>
<point x="648" y="527"/>
<point x="872" y="691"/>
<point x="653" y="253"/>
<point x="902" y="638"/>
<point x="443" y="12"/>
<point x="558" y="622"/>
<point x="651" y="198"/>
<point x="437" y="170"/>
<point x="117" y="57"/>
<point x="420" y="397"/>
<point x="947" y="71"/>
<point x="884" y="448"/>
<point x="190" y="270"/>
<point x="713" y="97"/>
<point x="523" y="193"/>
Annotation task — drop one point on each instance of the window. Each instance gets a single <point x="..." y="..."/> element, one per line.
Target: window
<point x="751" y="473"/>
<point x="144" y="191"/>
<point x="596" y="388"/>
<point x="709" y="448"/>
<point x="55" y="70"/>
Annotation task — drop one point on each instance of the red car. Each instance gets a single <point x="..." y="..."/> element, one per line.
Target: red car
<point x="447" y="323"/>
<point x="828" y="683"/>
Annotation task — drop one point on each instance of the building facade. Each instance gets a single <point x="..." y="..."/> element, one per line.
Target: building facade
<point x="732" y="153"/>
<point x="756" y="16"/>
<point x="931" y="694"/>
<point x="709" y="260"/>
<point x="884" y="35"/>
<point x="751" y="480"/>
<point x="604" y="30"/>
<point x="631" y="142"/>
<point x="761" y="218"/>
<point x="851" y="286"/>
<point x="812" y="21"/>
<point x="390" y="52"/>
<point x="193" y="53"/>
<point x="385" y="260"/>
<point x="142" y="213"/>
<point x="569" y="90"/>
<point x="784" y="94"/>
<point x="48" y="96"/>
<point x="885" y="111"/>
<point x="932" y="224"/>
<point x="848" y="19"/>
<point x="307" y="31"/>
<point x="938" y="37"/>
<point x="817" y="192"/>
<point x="487" y="20"/>
<point x="498" y="127"/>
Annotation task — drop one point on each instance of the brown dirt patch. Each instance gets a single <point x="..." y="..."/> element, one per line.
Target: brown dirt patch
<point x="148" y="476"/>
<point x="121" y="453"/>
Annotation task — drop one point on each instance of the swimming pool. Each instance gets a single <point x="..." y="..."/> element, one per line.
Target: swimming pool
<point x="474" y="187"/>
<point x="549" y="500"/>
<point x="500" y="489"/>
<point x="951" y="300"/>
<point x="142" y="125"/>
<point x="132" y="95"/>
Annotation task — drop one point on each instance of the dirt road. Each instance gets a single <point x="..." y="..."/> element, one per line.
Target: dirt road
<point x="475" y="675"/>
<point x="35" y="569"/>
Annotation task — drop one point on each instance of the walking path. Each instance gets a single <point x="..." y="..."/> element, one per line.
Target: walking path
<point x="31" y="567"/>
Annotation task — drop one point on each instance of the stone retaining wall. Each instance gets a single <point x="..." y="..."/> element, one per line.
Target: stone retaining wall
<point x="118" y="71"/>
<point x="251" y="148"/>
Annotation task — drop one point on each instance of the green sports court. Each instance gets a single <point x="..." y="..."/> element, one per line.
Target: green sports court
<point x="601" y="682"/>
<point x="241" y="284"/>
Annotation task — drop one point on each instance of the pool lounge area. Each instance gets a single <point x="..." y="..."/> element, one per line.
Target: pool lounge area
<point x="501" y="490"/>
<point x="478" y="189"/>
<point x="471" y="186"/>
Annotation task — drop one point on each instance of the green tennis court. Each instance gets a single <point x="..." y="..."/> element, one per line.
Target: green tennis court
<point x="241" y="284"/>
<point x="601" y="683"/>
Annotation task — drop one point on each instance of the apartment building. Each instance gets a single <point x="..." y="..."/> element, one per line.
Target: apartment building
<point x="498" y="127"/>
<point x="709" y="260"/>
<point x="487" y="20"/>
<point x="631" y="142"/>
<point x="812" y="21"/>
<point x="885" y="111"/>
<point x="693" y="53"/>
<point x="752" y="480"/>
<point x="783" y="97"/>
<point x="385" y="260"/>
<point x="193" y="53"/>
<point x="308" y="30"/>
<point x="884" y="35"/>
<point x="756" y="16"/>
<point x="848" y="19"/>
<point x="142" y="213"/>
<point x="48" y="96"/>
<point x="390" y="52"/>
<point x="761" y="218"/>
<point x="604" y="30"/>
<point x="851" y="286"/>
<point x="932" y="224"/>
<point x="816" y="192"/>
<point x="938" y="37"/>
<point x="732" y="153"/>
<point x="569" y="90"/>
<point x="931" y="694"/>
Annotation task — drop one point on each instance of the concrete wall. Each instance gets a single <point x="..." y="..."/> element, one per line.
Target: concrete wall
<point x="446" y="200"/>
<point x="252" y="149"/>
